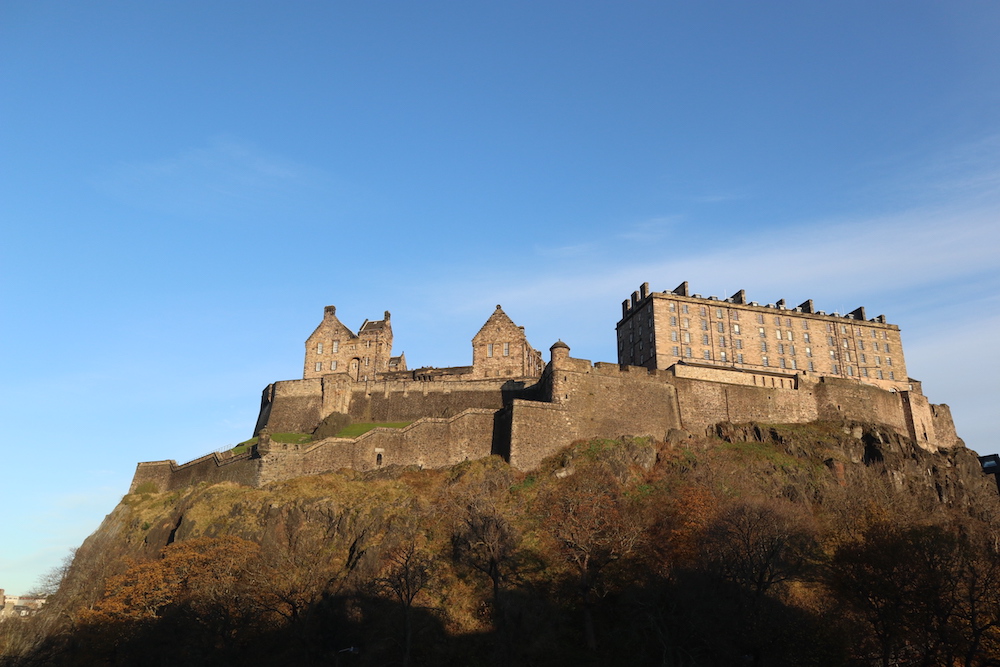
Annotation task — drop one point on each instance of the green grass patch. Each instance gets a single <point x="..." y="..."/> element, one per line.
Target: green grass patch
<point x="763" y="451"/>
<point x="292" y="438"/>
<point x="354" y="430"/>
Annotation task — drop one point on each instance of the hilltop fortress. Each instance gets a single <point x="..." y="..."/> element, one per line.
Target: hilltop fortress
<point x="684" y="363"/>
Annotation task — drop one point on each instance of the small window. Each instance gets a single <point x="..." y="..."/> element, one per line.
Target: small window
<point x="739" y="358"/>
<point x="319" y="348"/>
<point x="736" y="328"/>
<point x="489" y="347"/>
<point x="843" y="329"/>
<point x="708" y="354"/>
<point x="722" y="356"/>
<point x="673" y="307"/>
<point x="722" y="341"/>
<point x="777" y="321"/>
<point x="704" y="339"/>
<point x="809" y="352"/>
<point x="887" y="348"/>
<point x="781" y="362"/>
<point x="333" y="365"/>
<point x="378" y="459"/>
<point x="878" y="360"/>
<point x="850" y="371"/>
<point x="761" y="332"/>
<point x="336" y="345"/>
<point x="735" y="315"/>
<point x="892" y="376"/>
<point x="760" y="318"/>
<point x="812" y="367"/>
<point x="836" y="369"/>
<point x="863" y="358"/>
<point x="506" y="349"/>
<point x="781" y="348"/>
<point x="805" y="337"/>
<point x="704" y="325"/>
<point x="763" y="361"/>
<point x="673" y="336"/>
<point x="677" y="351"/>
<point x="861" y="344"/>
<point x="888" y="361"/>
<point x="864" y="372"/>
<point x="791" y="350"/>
<point x="788" y="321"/>
<point x="687" y="336"/>
<point x="366" y="361"/>
<point x="833" y="354"/>
<point x="829" y="341"/>
<point x="687" y="352"/>
<point x="739" y="343"/>
<point x="704" y="311"/>
<point x="684" y="309"/>
<point x="777" y="334"/>
<point x="673" y="320"/>
<point x="880" y="375"/>
<point x="721" y="327"/>
<point x="763" y="346"/>
<point x="790" y="335"/>
<point x="319" y="366"/>
<point x="805" y="324"/>
<point x="685" y="323"/>
<point x="795" y="364"/>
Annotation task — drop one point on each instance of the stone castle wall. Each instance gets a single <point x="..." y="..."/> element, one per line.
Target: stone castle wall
<point x="574" y="400"/>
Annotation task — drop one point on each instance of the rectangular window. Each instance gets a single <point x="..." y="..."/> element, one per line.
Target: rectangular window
<point x="760" y="318"/>
<point x="829" y="327"/>
<point x="763" y="361"/>
<point x="833" y="354"/>
<point x="489" y="347"/>
<point x="781" y="362"/>
<point x="878" y="360"/>
<point x="366" y="361"/>
<point x="805" y="324"/>
<point x="722" y="341"/>
<point x="892" y="376"/>
<point x="677" y="351"/>
<point x="673" y="336"/>
<point x="843" y="329"/>
<point x="685" y="323"/>
<point x="319" y="366"/>
<point x="875" y="345"/>
<point x="319" y="348"/>
<point x="809" y="352"/>
<point x="795" y="364"/>
<point x="836" y="369"/>
<point x="739" y="343"/>
<point x="703" y="311"/>
<point x="336" y="345"/>
<point x="735" y="315"/>
<point x="790" y="335"/>
<point x="864" y="359"/>
<point x="777" y="334"/>
<point x="736" y="328"/>
<point x="887" y="348"/>
<point x="791" y="350"/>
<point x="687" y="352"/>
<point x="781" y="348"/>
<point x="684" y="309"/>
<point x="687" y="336"/>
<point x="739" y="358"/>
<point x="777" y="321"/>
<point x="888" y="361"/>
<point x="874" y="334"/>
<point x="805" y="337"/>
<point x="708" y="354"/>
<point x="721" y="327"/>
<point x="848" y="355"/>
<point x="761" y="332"/>
<point x="861" y="344"/>
<point x="506" y="349"/>
<point x="829" y="341"/>
<point x="844" y="342"/>
<point x="673" y="307"/>
<point x="763" y="346"/>
<point x="718" y="313"/>
<point x="704" y="325"/>
<point x="880" y="375"/>
<point x="788" y="321"/>
<point x="722" y="356"/>
<point x="673" y="320"/>
<point x="333" y="365"/>
<point x="812" y="367"/>
<point x="850" y="371"/>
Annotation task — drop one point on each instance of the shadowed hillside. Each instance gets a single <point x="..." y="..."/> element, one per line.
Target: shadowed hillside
<point x="820" y="544"/>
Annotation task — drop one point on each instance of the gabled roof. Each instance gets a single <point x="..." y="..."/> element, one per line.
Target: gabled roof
<point x="332" y="324"/>
<point x="498" y="320"/>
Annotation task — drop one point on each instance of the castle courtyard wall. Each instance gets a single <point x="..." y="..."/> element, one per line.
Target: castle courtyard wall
<point x="211" y="469"/>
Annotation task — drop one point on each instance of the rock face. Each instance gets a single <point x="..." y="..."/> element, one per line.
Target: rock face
<point x="324" y="554"/>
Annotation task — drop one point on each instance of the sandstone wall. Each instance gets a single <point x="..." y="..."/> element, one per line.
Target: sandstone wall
<point x="211" y="469"/>
<point x="292" y="406"/>
<point x="428" y="442"/>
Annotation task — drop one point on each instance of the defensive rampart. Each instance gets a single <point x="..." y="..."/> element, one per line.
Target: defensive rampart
<point x="573" y="400"/>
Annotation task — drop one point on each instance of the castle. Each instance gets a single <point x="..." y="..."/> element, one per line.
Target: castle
<point x="684" y="362"/>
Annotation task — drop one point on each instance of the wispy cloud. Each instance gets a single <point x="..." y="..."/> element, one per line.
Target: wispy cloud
<point x="225" y="179"/>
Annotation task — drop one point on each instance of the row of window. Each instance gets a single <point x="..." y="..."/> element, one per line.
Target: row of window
<point x="489" y="349"/>
<point x="335" y="347"/>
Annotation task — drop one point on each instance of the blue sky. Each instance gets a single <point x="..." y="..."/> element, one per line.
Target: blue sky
<point x="185" y="185"/>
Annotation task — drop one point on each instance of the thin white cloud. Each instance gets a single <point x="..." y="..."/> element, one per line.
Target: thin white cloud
<point x="226" y="179"/>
